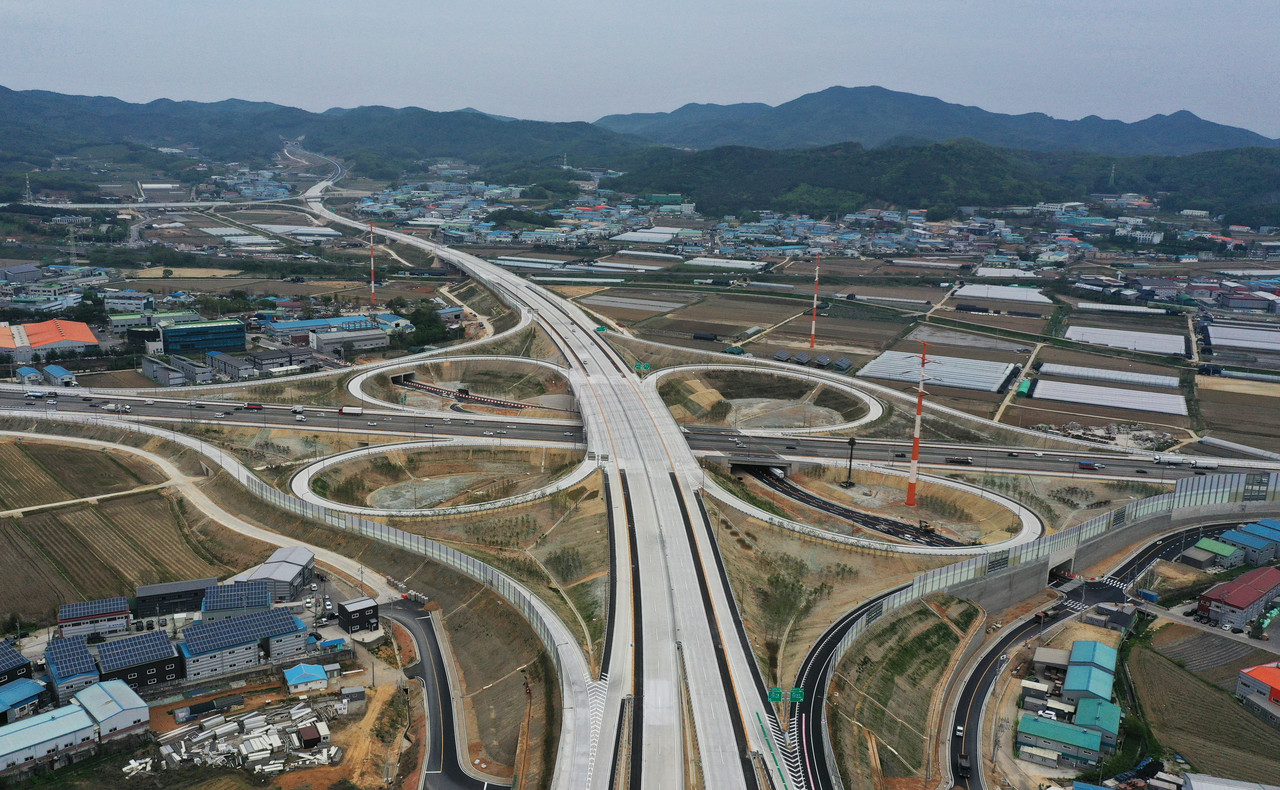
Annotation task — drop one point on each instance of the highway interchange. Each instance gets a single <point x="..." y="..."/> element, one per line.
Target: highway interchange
<point x="676" y="639"/>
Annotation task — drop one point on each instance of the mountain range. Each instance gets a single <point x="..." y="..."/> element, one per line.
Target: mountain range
<point x="875" y="116"/>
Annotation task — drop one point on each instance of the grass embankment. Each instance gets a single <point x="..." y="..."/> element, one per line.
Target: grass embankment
<point x="885" y="687"/>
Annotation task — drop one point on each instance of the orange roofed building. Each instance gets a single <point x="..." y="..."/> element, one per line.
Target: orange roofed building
<point x="1259" y="689"/>
<point x="21" y="341"/>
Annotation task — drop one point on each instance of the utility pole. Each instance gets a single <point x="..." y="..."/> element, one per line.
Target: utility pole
<point x="813" y="324"/>
<point x="26" y="195"/>
<point x="373" y="285"/>
<point x="915" y="436"/>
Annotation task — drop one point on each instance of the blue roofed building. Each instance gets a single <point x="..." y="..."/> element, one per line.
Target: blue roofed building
<point x="28" y="376"/>
<point x="21" y="698"/>
<point x="1085" y="681"/>
<point x="241" y="643"/>
<point x="305" y="677"/>
<point x="71" y="666"/>
<point x="54" y="738"/>
<point x="59" y="376"/>
<point x="1256" y="550"/>
<point x="1094" y="654"/>
<point x="1270" y="534"/>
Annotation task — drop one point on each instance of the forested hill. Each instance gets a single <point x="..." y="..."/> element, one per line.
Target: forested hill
<point x="873" y="116"/>
<point x="834" y="180"/>
<point x="35" y="126"/>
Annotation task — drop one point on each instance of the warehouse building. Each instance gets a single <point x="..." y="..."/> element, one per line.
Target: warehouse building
<point x="241" y="643"/>
<point x="1256" y="550"/>
<point x="22" y="341"/>
<point x="1102" y="717"/>
<point x="1224" y="555"/>
<point x="1259" y="530"/>
<point x="128" y="301"/>
<point x="958" y="372"/>
<point x="286" y="572"/>
<point x="71" y="666"/>
<point x="158" y="600"/>
<point x="1085" y="681"/>
<point x="125" y="321"/>
<point x="162" y="372"/>
<point x="199" y="337"/>
<point x="224" y="601"/>
<point x="1240" y="600"/>
<point x="1110" y="397"/>
<point x="1150" y="342"/>
<point x="58" y="376"/>
<point x="339" y="341"/>
<point x="359" y="614"/>
<point x="21" y="698"/>
<point x="28" y="376"/>
<point x="116" y="709"/>
<point x="231" y="367"/>
<point x="1094" y="654"/>
<point x="1259" y="689"/>
<point x="281" y="358"/>
<point x="1063" y="745"/>
<point x="147" y="659"/>
<point x="194" y="372"/>
<point x="1206" y="782"/>
<point x="53" y="739"/>
<point x="105" y="616"/>
<point x="13" y="665"/>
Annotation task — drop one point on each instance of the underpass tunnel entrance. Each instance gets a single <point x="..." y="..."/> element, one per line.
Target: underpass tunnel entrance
<point x="400" y="379"/>
<point x="1062" y="572"/>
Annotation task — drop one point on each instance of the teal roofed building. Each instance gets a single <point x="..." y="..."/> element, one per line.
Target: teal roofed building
<point x="1094" y="654"/>
<point x="1075" y="746"/>
<point x="1085" y="681"/>
<point x="1102" y="717"/>
<point x="1224" y="554"/>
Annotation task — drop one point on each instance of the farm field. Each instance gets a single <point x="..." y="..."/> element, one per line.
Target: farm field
<point x="1239" y="417"/>
<point x="80" y="552"/>
<point x="1013" y="323"/>
<point x="1063" y="356"/>
<point x="1002" y="305"/>
<point x="1221" y="739"/>
<point x="157" y="272"/>
<point x="1026" y="412"/>
<point x="36" y="473"/>
<point x="114" y="378"/>
<point x="726" y="315"/>
<point x="1163" y="324"/>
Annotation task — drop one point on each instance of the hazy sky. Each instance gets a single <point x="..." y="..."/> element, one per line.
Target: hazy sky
<point x="571" y="60"/>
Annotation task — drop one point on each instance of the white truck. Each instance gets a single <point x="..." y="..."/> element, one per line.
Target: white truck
<point x="1203" y="463"/>
<point x="117" y="407"/>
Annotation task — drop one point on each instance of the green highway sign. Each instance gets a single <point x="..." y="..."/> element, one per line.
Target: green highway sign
<point x="637" y="366"/>
<point x="775" y="694"/>
<point x="646" y="366"/>
<point x="602" y="328"/>
<point x="797" y="695"/>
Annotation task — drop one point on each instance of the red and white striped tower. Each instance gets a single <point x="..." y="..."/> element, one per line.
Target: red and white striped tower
<point x="813" y="324"/>
<point x="915" y="436"/>
<point x="373" y="284"/>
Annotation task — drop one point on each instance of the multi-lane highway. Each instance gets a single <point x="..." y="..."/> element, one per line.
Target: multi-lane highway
<point x="679" y="653"/>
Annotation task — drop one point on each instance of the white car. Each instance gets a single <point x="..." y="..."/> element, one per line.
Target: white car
<point x="372" y="424"/>
<point x="488" y="433"/>
<point x="148" y="403"/>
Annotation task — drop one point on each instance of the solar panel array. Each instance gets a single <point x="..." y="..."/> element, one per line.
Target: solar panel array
<point x="237" y="596"/>
<point x="70" y="656"/>
<point x="135" y="650"/>
<point x="9" y="656"/>
<point x="74" y="611"/>
<point x="221" y="634"/>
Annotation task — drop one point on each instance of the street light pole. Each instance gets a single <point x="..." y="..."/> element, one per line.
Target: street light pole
<point x="848" y="483"/>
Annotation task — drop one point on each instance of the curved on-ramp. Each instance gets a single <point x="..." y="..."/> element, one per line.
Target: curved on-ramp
<point x="875" y="409"/>
<point x="300" y="483"/>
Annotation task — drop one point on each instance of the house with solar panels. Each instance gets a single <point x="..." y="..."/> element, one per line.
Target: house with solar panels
<point x="13" y="665"/>
<point x="239" y="643"/>
<point x="166" y="598"/>
<point x="105" y="616"/>
<point x="141" y="661"/>
<point x="224" y="601"/>
<point x="71" y="666"/>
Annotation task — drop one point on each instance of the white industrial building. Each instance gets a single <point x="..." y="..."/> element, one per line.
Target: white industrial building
<point x="99" y="713"/>
<point x="285" y="572"/>
<point x="1099" y="374"/>
<point x="1003" y="293"/>
<point x="958" y="372"/>
<point x="1110" y="397"/>
<point x="1150" y="342"/>
<point x="359" y="340"/>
